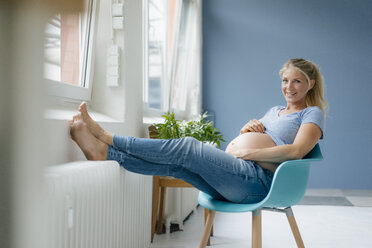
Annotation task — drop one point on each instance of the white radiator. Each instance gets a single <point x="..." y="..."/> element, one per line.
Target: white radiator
<point x="97" y="205"/>
<point x="180" y="202"/>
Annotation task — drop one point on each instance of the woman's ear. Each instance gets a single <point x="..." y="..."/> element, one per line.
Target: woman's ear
<point x="312" y="83"/>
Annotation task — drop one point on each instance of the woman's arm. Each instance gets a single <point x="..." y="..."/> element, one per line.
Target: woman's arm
<point x="306" y="138"/>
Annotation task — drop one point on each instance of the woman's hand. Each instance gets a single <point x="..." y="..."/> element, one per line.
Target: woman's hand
<point x="239" y="153"/>
<point x="253" y="126"/>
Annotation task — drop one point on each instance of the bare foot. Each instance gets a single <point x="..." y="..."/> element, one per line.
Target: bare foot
<point x="92" y="148"/>
<point x="94" y="127"/>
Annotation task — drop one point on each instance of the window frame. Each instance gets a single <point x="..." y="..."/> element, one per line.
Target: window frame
<point x="68" y="92"/>
<point x="149" y="111"/>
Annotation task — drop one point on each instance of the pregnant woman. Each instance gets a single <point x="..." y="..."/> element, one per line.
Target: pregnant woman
<point x="241" y="174"/>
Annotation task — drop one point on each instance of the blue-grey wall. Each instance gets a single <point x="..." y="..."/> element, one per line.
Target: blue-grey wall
<point x="245" y="44"/>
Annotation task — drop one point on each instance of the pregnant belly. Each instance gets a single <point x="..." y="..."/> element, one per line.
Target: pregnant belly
<point x="252" y="140"/>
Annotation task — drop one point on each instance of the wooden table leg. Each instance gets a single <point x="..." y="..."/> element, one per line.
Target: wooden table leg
<point x="161" y="210"/>
<point x="155" y="204"/>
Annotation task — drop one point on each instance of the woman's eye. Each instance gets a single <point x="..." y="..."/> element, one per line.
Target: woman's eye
<point x="298" y="81"/>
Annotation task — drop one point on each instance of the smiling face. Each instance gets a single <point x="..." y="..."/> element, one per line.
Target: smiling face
<point x="295" y="86"/>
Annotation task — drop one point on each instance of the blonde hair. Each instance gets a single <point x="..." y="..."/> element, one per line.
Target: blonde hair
<point x="315" y="96"/>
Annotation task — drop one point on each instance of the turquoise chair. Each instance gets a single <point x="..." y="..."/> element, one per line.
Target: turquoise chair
<point x="287" y="189"/>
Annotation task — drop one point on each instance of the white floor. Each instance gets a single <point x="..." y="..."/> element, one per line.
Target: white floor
<point x="320" y="227"/>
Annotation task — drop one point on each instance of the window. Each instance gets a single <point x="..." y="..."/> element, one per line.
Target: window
<point x="68" y="53"/>
<point x="173" y="57"/>
<point x="157" y="83"/>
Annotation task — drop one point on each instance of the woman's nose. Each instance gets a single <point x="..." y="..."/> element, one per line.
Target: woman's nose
<point x="290" y="85"/>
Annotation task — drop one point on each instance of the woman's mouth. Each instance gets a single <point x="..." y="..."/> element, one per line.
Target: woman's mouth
<point x="290" y="94"/>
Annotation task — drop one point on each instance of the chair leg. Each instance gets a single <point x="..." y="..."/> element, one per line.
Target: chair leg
<point x="155" y="204"/>
<point x="294" y="227"/>
<point x="207" y="229"/>
<point x="159" y="229"/>
<point x="256" y="229"/>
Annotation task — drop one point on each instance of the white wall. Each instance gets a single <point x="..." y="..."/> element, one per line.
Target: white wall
<point x="125" y="101"/>
<point x="29" y="142"/>
<point x="105" y="99"/>
<point x="5" y="125"/>
<point x="24" y="142"/>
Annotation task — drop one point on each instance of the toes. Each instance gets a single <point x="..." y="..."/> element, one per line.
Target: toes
<point x="83" y="104"/>
<point x="83" y="107"/>
<point x="76" y="117"/>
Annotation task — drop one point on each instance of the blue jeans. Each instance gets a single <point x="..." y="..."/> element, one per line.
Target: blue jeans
<point x="207" y="168"/>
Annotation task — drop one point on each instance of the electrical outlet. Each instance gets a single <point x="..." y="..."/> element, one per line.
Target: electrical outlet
<point x="117" y="9"/>
<point x="113" y="66"/>
<point x="112" y="81"/>
<point x="113" y="50"/>
<point x="113" y="71"/>
<point x="117" y="22"/>
<point x="113" y="60"/>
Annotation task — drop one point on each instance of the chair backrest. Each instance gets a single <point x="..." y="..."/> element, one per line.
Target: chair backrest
<point x="290" y="180"/>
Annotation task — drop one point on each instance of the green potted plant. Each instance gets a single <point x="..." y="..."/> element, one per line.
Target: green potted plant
<point x="200" y="129"/>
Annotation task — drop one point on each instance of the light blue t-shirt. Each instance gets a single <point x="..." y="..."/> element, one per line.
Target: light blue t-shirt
<point x="283" y="129"/>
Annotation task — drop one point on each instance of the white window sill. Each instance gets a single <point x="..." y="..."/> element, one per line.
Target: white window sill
<point x="65" y="113"/>
<point x="148" y="121"/>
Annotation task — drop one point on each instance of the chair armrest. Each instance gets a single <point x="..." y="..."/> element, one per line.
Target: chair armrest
<point x="290" y="180"/>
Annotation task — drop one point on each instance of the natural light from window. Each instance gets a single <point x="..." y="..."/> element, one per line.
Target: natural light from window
<point x="173" y="57"/>
<point x="64" y="46"/>
<point x="67" y="53"/>
<point x="157" y="53"/>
